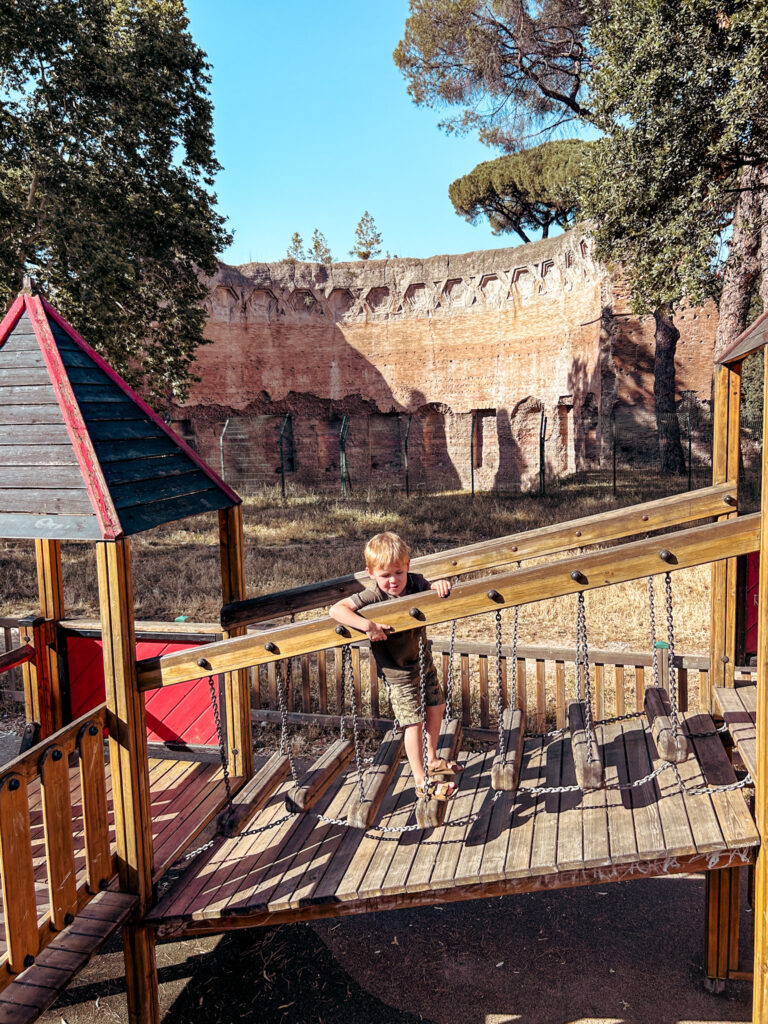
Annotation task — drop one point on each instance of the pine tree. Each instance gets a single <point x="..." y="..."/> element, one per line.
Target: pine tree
<point x="296" y="253"/>
<point x="367" y="239"/>
<point x="320" y="252"/>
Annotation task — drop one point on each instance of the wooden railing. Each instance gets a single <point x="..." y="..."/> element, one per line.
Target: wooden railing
<point x="54" y="839"/>
<point x="11" y="685"/>
<point x="546" y="680"/>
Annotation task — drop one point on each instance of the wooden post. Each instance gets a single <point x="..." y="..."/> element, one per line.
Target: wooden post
<point x="760" y="990"/>
<point x="236" y="684"/>
<point x="129" y="766"/>
<point x="42" y="684"/>
<point x="725" y="467"/>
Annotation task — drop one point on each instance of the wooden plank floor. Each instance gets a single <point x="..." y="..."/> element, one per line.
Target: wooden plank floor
<point x="185" y="795"/>
<point x="738" y="706"/>
<point x="302" y="868"/>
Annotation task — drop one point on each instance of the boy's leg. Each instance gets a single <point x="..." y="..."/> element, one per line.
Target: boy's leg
<point x="435" y="714"/>
<point x="413" y="751"/>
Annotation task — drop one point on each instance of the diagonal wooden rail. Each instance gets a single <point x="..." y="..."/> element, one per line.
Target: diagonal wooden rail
<point x="629" y="561"/>
<point x="597" y="529"/>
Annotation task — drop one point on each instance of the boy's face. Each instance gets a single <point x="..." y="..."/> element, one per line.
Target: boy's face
<point x="391" y="578"/>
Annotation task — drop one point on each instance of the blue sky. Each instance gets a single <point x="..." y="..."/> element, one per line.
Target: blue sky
<point x="314" y="125"/>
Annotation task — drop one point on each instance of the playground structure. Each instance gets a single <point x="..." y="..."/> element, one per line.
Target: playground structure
<point x="66" y="889"/>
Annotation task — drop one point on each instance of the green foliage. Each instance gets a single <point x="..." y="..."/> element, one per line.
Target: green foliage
<point x="105" y="177"/>
<point x="295" y="253"/>
<point x="680" y="89"/>
<point x="513" y="66"/>
<point x="320" y="251"/>
<point x="529" y="190"/>
<point x="367" y="239"/>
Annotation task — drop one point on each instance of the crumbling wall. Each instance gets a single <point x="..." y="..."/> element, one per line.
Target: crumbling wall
<point x="459" y="363"/>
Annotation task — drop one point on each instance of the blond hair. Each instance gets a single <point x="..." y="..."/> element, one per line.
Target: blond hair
<point x="386" y="549"/>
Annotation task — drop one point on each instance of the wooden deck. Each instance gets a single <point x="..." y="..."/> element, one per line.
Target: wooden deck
<point x="738" y="706"/>
<point x="304" y="869"/>
<point x="185" y="795"/>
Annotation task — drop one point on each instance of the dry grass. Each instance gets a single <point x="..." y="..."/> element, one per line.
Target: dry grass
<point x="312" y="537"/>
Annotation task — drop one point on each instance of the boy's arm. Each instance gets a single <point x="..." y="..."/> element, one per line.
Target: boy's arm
<point x="441" y="587"/>
<point x="346" y="613"/>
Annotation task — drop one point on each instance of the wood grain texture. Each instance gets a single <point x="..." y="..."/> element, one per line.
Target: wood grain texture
<point x="601" y="568"/>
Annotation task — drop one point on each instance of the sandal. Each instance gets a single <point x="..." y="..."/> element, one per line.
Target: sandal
<point x="436" y="790"/>
<point x="444" y="769"/>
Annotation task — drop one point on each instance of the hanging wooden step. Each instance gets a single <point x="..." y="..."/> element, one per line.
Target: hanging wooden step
<point x="314" y="782"/>
<point x="363" y="812"/>
<point x="672" y="743"/>
<point x="589" y="770"/>
<point x="431" y="813"/>
<point x="506" y="767"/>
<point x="253" y="796"/>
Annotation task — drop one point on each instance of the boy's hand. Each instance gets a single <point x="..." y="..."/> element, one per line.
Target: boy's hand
<point x="441" y="587"/>
<point x="377" y="631"/>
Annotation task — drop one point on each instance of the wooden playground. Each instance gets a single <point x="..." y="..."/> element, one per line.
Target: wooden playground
<point x="635" y="780"/>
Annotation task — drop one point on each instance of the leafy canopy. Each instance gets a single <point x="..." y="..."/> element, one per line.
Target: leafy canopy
<point x="515" y="67"/>
<point x="106" y="176"/>
<point x="525" y="191"/>
<point x="680" y="89"/>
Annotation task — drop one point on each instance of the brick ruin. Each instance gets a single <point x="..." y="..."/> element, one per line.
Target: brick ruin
<point x="456" y="358"/>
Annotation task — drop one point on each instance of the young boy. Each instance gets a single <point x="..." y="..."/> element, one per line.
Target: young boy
<point x="387" y="561"/>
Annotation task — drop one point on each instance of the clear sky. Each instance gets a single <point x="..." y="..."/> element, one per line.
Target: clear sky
<point x="314" y="125"/>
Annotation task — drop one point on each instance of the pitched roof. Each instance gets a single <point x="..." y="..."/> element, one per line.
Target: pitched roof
<point x="750" y="340"/>
<point x="81" y="455"/>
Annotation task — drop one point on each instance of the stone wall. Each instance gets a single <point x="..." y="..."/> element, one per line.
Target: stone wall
<point x="462" y="356"/>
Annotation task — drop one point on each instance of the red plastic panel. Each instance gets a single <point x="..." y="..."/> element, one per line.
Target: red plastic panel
<point x="178" y="714"/>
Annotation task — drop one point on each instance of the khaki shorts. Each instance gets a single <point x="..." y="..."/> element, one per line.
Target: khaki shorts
<point x="406" y="699"/>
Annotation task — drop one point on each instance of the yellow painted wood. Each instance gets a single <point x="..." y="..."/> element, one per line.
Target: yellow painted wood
<point x="725" y="466"/>
<point x="51" y="597"/>
<point x="237" y="687"/>
<point x="760" y="990"/>
<point x="17" y="874"/>
<point x="598" y="569"/>
<point x="125" y="721"/>
<point x="59" y="843"/>
<point x="93" y="788"/>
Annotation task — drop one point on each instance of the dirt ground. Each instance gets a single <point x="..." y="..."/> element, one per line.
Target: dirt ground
<point x="627" y="953"/>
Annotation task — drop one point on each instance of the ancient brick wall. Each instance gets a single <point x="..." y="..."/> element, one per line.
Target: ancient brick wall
<point x="454" y="361"/>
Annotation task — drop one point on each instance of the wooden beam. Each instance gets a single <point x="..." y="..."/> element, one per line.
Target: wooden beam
<point x="760" y="989"/>
<point x="725" y="466"/>
<point x="314" y="782"/>
<point x="18" y="656"/>
<point x="362" y="812"/>
<point x="505" y="772"/>
<point x="51" y="594"/>
<point x="237" y="688"/>
<point x="672" y="744"/>
<point x="596" y="569"/>
<point x="126" y="722"/>
<point x="37" y="632"/>
<point x="588" y="769"/>
<point x="578" y="533"/>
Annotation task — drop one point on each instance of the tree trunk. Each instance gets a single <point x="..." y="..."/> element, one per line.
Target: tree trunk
<point x="743" y="265"/>
<point x="668" y="429"/>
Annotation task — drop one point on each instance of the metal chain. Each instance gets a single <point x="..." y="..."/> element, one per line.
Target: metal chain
<point x="654" y="648"/>
<point x="285" y="744"/>
<point x="499" y="695"/>
<point x="423" y="695"/>
<point x="348" y="683"/>
<point x="449" y="679"/>
<point x="581" y="648"/>
<point x="222" y="747"/>
<point x="676" y="727"/>
<point x="704" y="790"/>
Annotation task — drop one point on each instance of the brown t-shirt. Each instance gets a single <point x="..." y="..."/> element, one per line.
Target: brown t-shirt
<point x="398" y="655"/>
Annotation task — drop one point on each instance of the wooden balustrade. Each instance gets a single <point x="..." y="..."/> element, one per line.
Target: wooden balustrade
<point x="546" y="680"/>
<point x="47" y="880"/>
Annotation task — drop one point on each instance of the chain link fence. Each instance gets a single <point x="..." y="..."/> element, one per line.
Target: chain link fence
<point x="629" y="449"/>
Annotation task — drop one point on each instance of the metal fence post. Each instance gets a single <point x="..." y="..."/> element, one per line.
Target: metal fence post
<point x="282" y="461"/>
<point x="343" y="454"/>
<point x="405" y="455"/>
<point x="472" y="455"/>
<point x="542" y="465"/>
